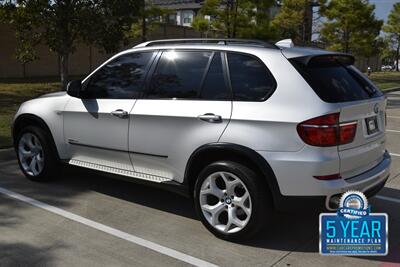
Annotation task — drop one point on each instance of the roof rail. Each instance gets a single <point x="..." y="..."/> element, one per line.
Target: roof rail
<point x="209" y="41"/>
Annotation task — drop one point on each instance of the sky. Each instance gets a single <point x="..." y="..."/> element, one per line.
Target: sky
<point x="383" y="7"/>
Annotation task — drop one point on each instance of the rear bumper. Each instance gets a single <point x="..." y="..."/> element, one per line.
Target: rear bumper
<point x="318" y="203"/>
<point x="326" y="194"/>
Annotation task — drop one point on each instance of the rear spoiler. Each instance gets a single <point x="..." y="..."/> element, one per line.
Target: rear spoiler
<point x="313" y="60"/>
<point x="309" y="56"/>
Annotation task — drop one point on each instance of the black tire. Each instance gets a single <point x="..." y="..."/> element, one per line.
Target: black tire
<point x="50" y="156"/>
<point x="261" y="201"/>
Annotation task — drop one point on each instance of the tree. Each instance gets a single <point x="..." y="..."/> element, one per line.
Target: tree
<point x="351" y="26"/>
<point x="295" y="19"/>
<point x="201" y="24"/>
<point x="393" y="29"/>
<point x="388" y="52"/>
<point x="148" y="21"/>
<point x="262" y="27"/>
<point x="60" y="24"/>
<point x="212" y="9"/>
<point x="27" y="39"/>
<point x="289" y="21"/>
<point x="235" y="18"/>
<point x="25" y="52"/>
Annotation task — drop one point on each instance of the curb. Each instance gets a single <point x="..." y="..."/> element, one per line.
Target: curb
<point x="7" y="154"/>
<point x="391" y="90"/>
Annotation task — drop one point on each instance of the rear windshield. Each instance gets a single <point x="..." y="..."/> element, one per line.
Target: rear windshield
<point x="334" y="82"/>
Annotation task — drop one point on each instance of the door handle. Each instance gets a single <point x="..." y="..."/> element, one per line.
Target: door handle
<point x="120" y="113"/>
<point x="210" y="117"/>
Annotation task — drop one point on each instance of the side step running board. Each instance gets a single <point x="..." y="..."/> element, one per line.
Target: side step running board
<point x="137" y="175"/>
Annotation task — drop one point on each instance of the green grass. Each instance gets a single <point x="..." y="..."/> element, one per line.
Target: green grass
<point x="386" y="80"/>
<point x="12" y="94"/>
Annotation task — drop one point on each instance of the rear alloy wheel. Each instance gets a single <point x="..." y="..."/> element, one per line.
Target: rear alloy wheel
<point x="225" y="202"/>
<point x="232" y="200"/>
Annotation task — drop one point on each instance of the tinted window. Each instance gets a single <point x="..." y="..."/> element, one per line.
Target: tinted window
<point x="214" y="86"/>
<point x="121" y="78"/>
<point x="334" y="82"/>
<point x="179" y="74"/>
<point x="250" y="78"/>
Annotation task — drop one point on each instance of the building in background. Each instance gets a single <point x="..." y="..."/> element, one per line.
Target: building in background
<point x="182" y="11"/>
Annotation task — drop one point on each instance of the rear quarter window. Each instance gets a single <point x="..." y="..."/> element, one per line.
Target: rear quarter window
<point x="250" y="78"/>
<point x="334" y="82"/>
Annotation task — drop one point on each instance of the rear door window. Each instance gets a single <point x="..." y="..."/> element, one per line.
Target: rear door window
<point x="250" y="78"/>
<point x="179" y="74"/>
<point x="334" y="82"/>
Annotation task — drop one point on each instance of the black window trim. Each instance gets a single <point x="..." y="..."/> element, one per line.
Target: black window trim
<point x="207" y="69"/>
<point x="225" y="73"/>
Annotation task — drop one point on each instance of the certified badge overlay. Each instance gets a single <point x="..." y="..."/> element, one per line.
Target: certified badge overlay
<point x="353" y="230"/>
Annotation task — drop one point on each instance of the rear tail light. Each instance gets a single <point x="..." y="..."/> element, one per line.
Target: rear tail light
<point x="347" y="131"/>
<point x="327" y="131"/>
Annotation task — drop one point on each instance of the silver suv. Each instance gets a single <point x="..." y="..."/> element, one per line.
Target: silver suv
<point x="243" y="127"/>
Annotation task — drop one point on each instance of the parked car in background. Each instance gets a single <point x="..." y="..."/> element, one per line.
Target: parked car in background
<point x="386" y="68"/>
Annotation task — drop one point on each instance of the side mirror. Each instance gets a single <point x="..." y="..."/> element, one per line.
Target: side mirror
<point x="74" y="88"/>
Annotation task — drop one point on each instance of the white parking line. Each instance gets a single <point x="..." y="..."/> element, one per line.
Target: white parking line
<point x="109" y="230"/>
<point x="392" y="131"/>
<point x="394" y="154"/>
<point x="391" y="199"/>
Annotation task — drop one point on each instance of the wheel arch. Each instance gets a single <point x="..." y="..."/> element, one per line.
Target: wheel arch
<point x="209" y="153"/>
<point x="30" y="119"/>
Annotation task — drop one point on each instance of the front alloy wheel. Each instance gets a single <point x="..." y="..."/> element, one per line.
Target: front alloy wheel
<point x="30" y="154"/>
<point x="36" y="153"/>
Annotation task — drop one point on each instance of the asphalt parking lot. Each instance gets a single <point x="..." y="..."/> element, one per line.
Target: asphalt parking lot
<point x="84" y="219"/>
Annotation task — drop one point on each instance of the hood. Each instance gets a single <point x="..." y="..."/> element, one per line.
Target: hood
<point x="55" y="94"/>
